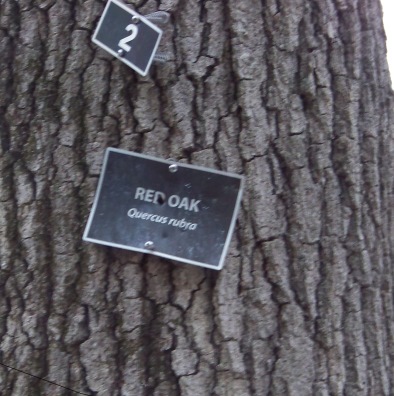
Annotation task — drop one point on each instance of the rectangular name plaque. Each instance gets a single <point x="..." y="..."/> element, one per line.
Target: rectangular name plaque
<point x="177" y="211"/>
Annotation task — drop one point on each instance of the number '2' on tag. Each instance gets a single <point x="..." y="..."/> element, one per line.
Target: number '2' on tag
<point x="133" y="40"/>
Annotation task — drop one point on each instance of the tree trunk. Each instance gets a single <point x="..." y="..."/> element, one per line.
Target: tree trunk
<point x="293" y="94"/>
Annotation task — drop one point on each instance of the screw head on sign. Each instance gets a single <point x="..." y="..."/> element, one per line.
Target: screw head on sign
<point x="121" y="52"/>
<point x="173" y="168"/>
<point x="149" y="245"/>
<point x="135" y="19"/>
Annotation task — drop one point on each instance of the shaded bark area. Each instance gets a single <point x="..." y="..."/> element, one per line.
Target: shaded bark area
<point x="296" y="96"/>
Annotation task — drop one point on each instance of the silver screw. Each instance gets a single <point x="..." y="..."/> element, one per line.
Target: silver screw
<point x="173" y="168"/>
<point x="135" y="19"/>
<point x="121" y="52"/>
<point x="149" y="245"/>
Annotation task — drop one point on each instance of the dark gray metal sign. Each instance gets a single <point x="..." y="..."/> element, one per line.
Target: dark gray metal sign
<point x="127" y="35"/>
<point x="178" y="211"/>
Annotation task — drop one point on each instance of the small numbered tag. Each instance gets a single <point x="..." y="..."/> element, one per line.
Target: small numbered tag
<point x="128" y="35"/>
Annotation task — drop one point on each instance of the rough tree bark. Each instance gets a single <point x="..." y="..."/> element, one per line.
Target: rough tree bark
<point x="295" y="95"/>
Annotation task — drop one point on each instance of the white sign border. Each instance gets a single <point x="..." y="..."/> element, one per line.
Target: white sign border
<point x="164" y="255"/>
<point x="115" y="54"/>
